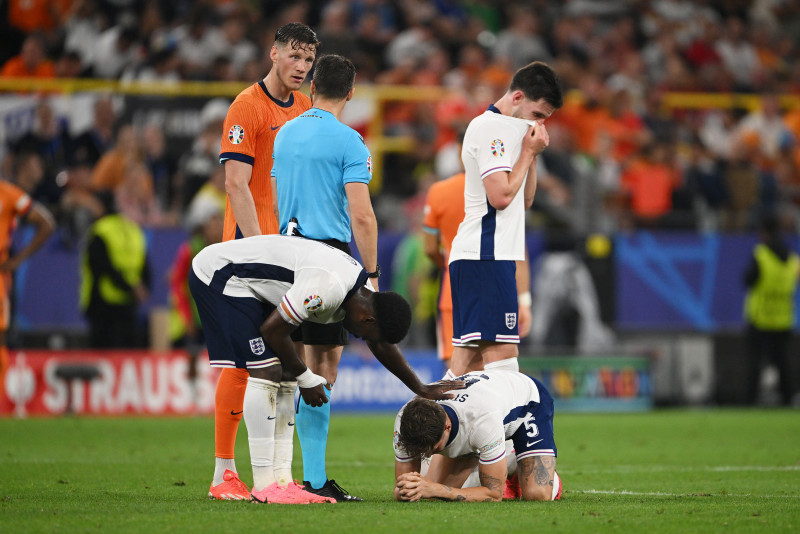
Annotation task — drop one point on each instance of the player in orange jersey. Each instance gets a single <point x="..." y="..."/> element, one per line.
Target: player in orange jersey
<point x="14" y="205"/>
<point x="444" y="211"/>
<point x="248" y="135"/>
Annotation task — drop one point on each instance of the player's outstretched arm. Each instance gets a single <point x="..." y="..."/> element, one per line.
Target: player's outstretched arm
<point x="413" y="487"/>
<point x="276" y="333"/>
<point x="364" y="225"/>
<point x="44" y="223"/>
<point x="390" y="357"/>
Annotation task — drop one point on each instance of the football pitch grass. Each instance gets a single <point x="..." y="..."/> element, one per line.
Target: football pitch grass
<point x="666" y="471"/>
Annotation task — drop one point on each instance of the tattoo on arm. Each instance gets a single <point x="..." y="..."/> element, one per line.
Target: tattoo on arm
<point x="494" y="484"/>
<point x="542" y="466"/>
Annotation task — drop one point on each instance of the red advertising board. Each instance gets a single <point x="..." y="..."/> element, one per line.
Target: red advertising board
<point x="127" y="382"/>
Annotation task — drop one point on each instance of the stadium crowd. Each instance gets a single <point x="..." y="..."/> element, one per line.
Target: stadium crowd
<point x="619" y="158"/>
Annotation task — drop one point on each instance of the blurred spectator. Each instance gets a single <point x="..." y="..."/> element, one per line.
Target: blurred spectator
<point x="412" y="45"/>
<point x="161" y="66"/>
<point x="79" y="207"/>
<point x="210" y="196"/>
<point x="83" y="28"/>
<point x="36" y="15"/>
<point x="115" y="279"/>
<point x="520" y="42"/>
<point x="28" y="171"/>
<point x="743" y="183"/>
<point x="196" y="167"/>
<point x="114" y="164"/>
<point x="31" y="62"/>
<point x="161" y="165"/>
<point x="767" y="126"/>
<point x="93" y="143"/>
<point x="739" y="55"/>
<point x="115" y="49"/>
<point x="650" y="181"/>
<point x="565" y="309"/>
<point x="412" y="276"/>
<point x="334" y="30"/>
<point x="69" y="65"/>
<point x="49" y="139"/>
<point x="771" y="280"/>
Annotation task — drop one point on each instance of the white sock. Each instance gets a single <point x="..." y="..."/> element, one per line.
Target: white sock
<point x="284" y="433"/>
<point x="511" y="458"/>
<point x="220" y="465"/>
<point x="509" y="364"/>
<point x="449" y="375"/>
<point x="259" y="417"/>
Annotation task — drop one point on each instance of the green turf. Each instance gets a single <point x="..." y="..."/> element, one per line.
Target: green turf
<point x="667" y="471"/>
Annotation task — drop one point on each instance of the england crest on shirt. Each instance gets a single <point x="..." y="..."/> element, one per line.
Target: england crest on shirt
<point x="257" y="346"/>
<point x="511" y="320"/>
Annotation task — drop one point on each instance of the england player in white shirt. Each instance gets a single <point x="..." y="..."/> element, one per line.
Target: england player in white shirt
<point x="472" y="429"/>
<point x="251" y="294"/>
<point x="499" y="154"/>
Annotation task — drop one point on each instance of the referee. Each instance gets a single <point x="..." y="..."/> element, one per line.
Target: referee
<point x="321" y="171"/>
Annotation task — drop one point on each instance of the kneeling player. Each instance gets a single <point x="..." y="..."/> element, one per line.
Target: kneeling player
<point x="251" y="294"/>
<point x="471" y="429"/>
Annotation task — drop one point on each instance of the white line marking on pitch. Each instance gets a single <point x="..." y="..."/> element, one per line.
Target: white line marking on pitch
<point x="662" y="494"/>
<point x="719" y="469"/>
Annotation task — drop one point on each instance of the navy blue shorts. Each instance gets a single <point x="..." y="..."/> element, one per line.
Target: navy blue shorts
<point x="535" y="436"/>
<point x="484" y="301"/>
<point x="231" y="327"/>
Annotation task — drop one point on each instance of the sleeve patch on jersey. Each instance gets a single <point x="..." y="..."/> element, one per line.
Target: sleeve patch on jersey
<point x="369" y="165"/>
<point x="236" y="134"/>
<point x="490" y="446"/>
<point x="312" y="303"/>
<point x="498" y="148"/>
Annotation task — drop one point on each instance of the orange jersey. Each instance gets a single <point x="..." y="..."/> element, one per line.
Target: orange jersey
<point x="14" y="203"/>
<point x="248" y="136"/>
<point x="444" y="211"/>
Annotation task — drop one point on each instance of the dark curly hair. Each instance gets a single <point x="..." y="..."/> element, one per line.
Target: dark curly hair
<point x="297" y="35"/>
<point x="393" y="315"/>
<point x="421" y="427"/>
<point x="537" y="80"/>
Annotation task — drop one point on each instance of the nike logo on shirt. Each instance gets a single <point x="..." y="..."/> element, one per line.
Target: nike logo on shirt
<point x="529" y="444"/>
<point x="270" y="418"/>
<point x="273" y="128"/>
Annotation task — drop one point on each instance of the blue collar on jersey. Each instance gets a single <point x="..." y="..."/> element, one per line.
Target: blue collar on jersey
<point x="289" y="103"/>
<point x="363" y="276"/>
<point x="453" y="421"/>
<point x="493" y="109"/>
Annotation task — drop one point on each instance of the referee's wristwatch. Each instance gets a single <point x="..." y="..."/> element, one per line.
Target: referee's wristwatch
<point x="376" y="273"/>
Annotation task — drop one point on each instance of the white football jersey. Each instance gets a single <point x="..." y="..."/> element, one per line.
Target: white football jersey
<point x="492" y="143"/>
<point x="484" y="415"/>
<point x="311" y="278"/>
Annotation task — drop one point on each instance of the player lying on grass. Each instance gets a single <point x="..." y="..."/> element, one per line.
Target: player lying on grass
<point x="251" y="294"/>
<point x="472" y="428"/>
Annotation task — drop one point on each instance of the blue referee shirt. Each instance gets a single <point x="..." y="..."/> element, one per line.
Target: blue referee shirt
<point x="315" y="155"/>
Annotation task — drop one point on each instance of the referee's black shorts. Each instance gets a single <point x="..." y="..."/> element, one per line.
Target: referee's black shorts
<point x="323" y="334"/>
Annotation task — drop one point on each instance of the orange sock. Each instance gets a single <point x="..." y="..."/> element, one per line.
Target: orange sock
<point x="228" y="408"/>
<point x="3" y="368"/>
